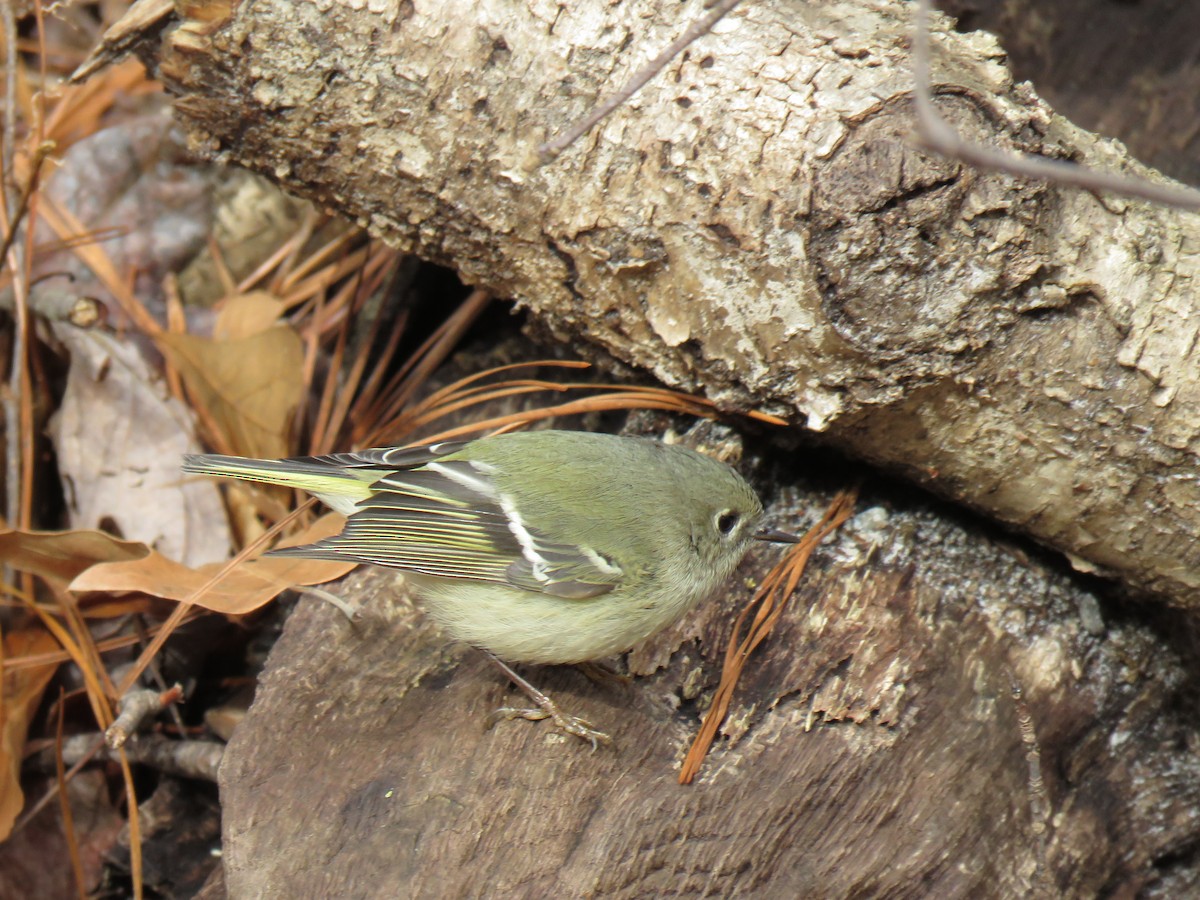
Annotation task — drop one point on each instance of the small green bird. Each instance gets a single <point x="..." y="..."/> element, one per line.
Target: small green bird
<point x="538" y="547"/>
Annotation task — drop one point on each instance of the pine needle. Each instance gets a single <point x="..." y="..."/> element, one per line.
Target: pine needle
<point x="767" y="606"/>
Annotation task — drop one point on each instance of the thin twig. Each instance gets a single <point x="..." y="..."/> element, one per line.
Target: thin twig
<point x="8" y="175"/>
<point x="550" y="151"/>
<point x="16" y="395"/>
<point x="136" y="707"/>
<point x="939" y="136"/>
<point x="189" y="759"/>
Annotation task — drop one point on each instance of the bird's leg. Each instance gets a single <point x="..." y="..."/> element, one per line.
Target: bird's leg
<point x="546" y="709"/>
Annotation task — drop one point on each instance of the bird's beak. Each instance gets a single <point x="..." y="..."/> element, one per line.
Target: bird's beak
<point x="774" y="534"/>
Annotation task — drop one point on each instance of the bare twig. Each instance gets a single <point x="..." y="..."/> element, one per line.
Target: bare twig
<point x="551" y="150"/>
<point x="939" y="136"/>
<point x="8" y="175"/>
<point x="188" y="759"/>
<point x="136" y="707"/>
<point x="141" y="18"/>
<point x="15" y="396"/>
<point x="155" y="671"/>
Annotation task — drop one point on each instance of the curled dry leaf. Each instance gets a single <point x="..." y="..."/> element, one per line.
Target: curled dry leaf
<point x="248" y="379"/>
<point x="23" y="689"/>
<point x="247" y="585"/>
<point x="95" y="561"/>
<point x="119" y="436"/>
<point x="58" y="557"/>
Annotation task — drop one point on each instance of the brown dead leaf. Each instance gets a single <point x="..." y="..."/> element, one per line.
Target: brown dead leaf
<point x="118" y="436"/>
<point x="95" y="561"/>
<point x="124" y="207"/>
<point x="22" y="689"/>
<point x="60" y="556"/>
<point x="246" y="315"/>
<point x="250" y="386"/>
<point x="247" y="586"/>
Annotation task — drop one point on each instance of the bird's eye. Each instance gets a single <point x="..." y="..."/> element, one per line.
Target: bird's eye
<point x="727" y="521"/>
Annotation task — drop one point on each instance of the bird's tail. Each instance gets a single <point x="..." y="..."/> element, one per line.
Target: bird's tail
<point x="336" y="487"/>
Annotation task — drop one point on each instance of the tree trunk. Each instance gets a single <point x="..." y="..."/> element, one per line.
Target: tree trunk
<point x="910" y="731"/>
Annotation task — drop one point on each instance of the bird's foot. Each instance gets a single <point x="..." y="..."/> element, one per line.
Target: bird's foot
<point x="564" y="722"/>
<point x="546" y="709"/>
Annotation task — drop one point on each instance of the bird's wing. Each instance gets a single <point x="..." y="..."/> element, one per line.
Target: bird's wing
<point x="389" y="457"/>
<point x="446" y="518"/>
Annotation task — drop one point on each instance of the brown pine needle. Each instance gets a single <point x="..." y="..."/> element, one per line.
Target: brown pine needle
<point x="467" y="392"/>
<point x="107" y="645"/>
<point x="284" y="252"/>
<point x="428" y="357"/>
<point x="768" y="605"/>
<point x="320" y="428"/>
<point x="463" y="387"/>
<point x="184" y="607"/>
<point x="134" y="825"/>
<point x="287" y="282"/>
<point x="68" y="825"/>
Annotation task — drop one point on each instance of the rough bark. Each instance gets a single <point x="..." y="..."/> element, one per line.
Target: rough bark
<point x="877" y="749"/>
<point x="756" y="224"/>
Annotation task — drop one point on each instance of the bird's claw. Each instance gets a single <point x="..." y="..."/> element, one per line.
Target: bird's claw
<point x="564" y="722"/>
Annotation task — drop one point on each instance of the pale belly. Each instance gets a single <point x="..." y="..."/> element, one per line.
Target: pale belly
<point x="522" y="626"/>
